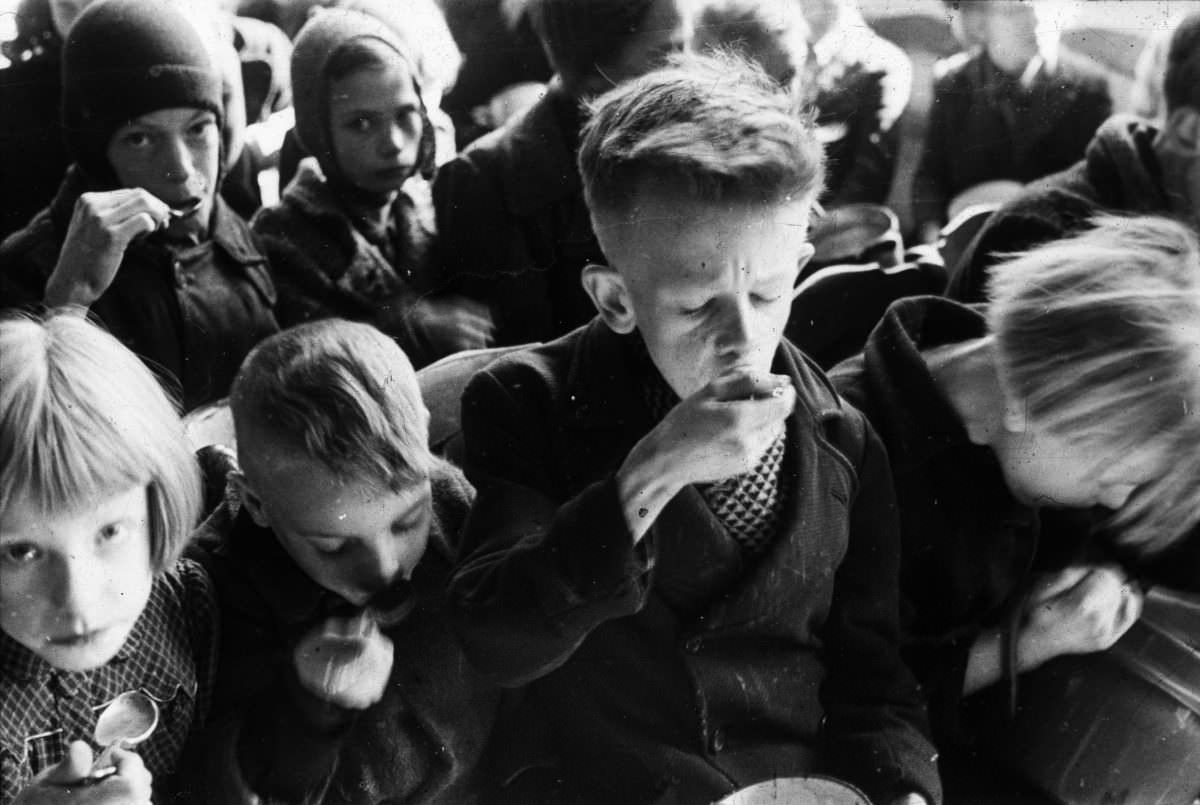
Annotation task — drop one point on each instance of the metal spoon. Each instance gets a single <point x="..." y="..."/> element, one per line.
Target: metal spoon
<point x="185" y="211"/>
<point x="128" y="720"/>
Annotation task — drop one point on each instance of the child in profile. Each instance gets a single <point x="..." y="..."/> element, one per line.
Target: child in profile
<point x="341" y="680"/>
<point x="98" y="493"/>
<point x="353" y="235"/>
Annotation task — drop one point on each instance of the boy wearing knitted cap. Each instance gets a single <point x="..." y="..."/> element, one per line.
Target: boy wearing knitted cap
<point x="137" y="234"/>
<point x="353" y="234"/>
<point x="684" y="542"/>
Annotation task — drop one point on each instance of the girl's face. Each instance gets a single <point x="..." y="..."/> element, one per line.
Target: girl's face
<point x="73" y="584"/>
<point x="174" y="154"/>
<point x="375" y="121"/>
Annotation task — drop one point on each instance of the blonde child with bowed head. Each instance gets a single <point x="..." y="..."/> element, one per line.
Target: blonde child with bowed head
<point x="353" y="235"/>
<point x="684" y="542"/>
<point x="98" y="492"/>
<point x="1077" y="390"/>
<point x="341" y="680"/>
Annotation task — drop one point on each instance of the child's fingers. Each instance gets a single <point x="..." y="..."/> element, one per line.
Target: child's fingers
<point x="133" y="772"/>
<point x="72" y="768"/>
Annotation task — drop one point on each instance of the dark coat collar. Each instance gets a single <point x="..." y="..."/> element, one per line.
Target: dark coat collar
<point x="893" y="365"/>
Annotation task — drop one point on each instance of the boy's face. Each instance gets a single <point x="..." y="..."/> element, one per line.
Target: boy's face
<point x="1045" y="468"/>
<point x="174" y="154"/>
<point x="353" y="537"/>
<point x="375" y="125"/>
<point x="72" y="585"/>
<point x="710" y="285"/>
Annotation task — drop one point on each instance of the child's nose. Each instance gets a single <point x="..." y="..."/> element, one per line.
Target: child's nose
<point x="75" y="588"/>
<point x="177" y="160"/>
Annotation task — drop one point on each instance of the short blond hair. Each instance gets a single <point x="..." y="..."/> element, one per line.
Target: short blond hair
<point x="339" y="392"/>
<point x="716" y="126"/>
<point x="1099" y="335"/>
<point x="81" y="417"/>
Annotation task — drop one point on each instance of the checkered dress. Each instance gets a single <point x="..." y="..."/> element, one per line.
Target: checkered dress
<point x="169" y="655"/>
<point x="751" y="505"/>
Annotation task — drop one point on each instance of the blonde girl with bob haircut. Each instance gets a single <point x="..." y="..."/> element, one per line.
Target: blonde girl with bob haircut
<point x="99" y="491"/>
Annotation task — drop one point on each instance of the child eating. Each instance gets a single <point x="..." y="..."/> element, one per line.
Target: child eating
<point x="341" y="680"/>
<point x="99" y="491"/>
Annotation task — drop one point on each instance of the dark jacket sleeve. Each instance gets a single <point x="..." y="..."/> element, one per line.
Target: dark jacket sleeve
<point x="930" y="193"/>
<point x="876" y="721"/>
<point x="476" y="231"/>
<point x="27" y="258"/>
<point x="535" y="573"/>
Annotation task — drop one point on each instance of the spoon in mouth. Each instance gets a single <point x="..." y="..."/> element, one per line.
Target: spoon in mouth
<point x="128" y="720"/>
<point x="186" y="209"/>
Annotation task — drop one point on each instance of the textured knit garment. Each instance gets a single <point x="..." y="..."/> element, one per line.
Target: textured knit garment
<point x="169" y="655"/>
<point x="749" y="505"/>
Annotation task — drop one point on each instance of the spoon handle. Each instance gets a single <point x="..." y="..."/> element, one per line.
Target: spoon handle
<point x="103" y="765"/>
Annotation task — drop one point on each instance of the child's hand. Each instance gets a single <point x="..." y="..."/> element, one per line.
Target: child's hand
<point x="102" y="226"/>
<point x="724" y="429"/>
<point x="1079" y="610"/>
<point x="345" y="661"/>
<point x="450" y="324"/>
<point x="720" y="431"/>
<point x="64" y="783"/>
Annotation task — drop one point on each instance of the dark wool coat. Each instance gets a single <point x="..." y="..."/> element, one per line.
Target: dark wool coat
<point x="190" y="312"/>
<point x="985" y="126"/>
<point x="676" y="670"/>
<point x="514" y="229"/>
<point x="1119" y="173"/>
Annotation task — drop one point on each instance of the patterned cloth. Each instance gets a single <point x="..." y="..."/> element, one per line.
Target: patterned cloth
<point x="169" y="655"/>
<point x="750" y="505"/>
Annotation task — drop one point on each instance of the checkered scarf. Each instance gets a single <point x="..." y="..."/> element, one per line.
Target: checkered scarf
<point x="750" y="506"/>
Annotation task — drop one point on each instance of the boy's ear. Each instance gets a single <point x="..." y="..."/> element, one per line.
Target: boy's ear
<point x="250" y="501"/>
<point x="610" y="295"/>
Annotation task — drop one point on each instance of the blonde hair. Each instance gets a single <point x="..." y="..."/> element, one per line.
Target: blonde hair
<point x="1099" y="336"/>
<point x="81" y="417"/>
<point x="717" y="124"/>
<point x="337" y="391"/>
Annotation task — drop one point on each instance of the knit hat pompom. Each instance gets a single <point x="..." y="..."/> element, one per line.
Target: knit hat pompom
<point x="316" y="45"/>
<point x="126" y="58"/>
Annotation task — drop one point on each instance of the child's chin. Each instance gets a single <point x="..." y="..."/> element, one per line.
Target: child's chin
<point x="85" y="656"/>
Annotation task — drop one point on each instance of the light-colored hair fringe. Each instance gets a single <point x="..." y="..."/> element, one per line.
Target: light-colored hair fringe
<point x="1099" y="335"/>
<point x="716" y="124"/>
<point x="339" y="392"/>
<point x="81" y="418"/>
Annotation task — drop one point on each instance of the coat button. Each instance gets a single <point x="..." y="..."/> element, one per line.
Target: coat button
<point x="716" y="741"/>
<point x="693" y="645"/>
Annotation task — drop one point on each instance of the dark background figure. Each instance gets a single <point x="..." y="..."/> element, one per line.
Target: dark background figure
<point x="1008" y="108"/>
<point x="1131" y="166"/>
<point x="859" y="83"/>
<point x="514" y="228"/>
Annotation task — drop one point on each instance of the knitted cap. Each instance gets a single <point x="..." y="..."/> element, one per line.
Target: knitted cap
<point x="316" y="44"/>
<point x="126" y="58"/>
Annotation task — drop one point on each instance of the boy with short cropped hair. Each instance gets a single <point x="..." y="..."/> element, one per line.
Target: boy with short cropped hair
<point x="340" y="680"/>
<point x="684" y="542"/>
